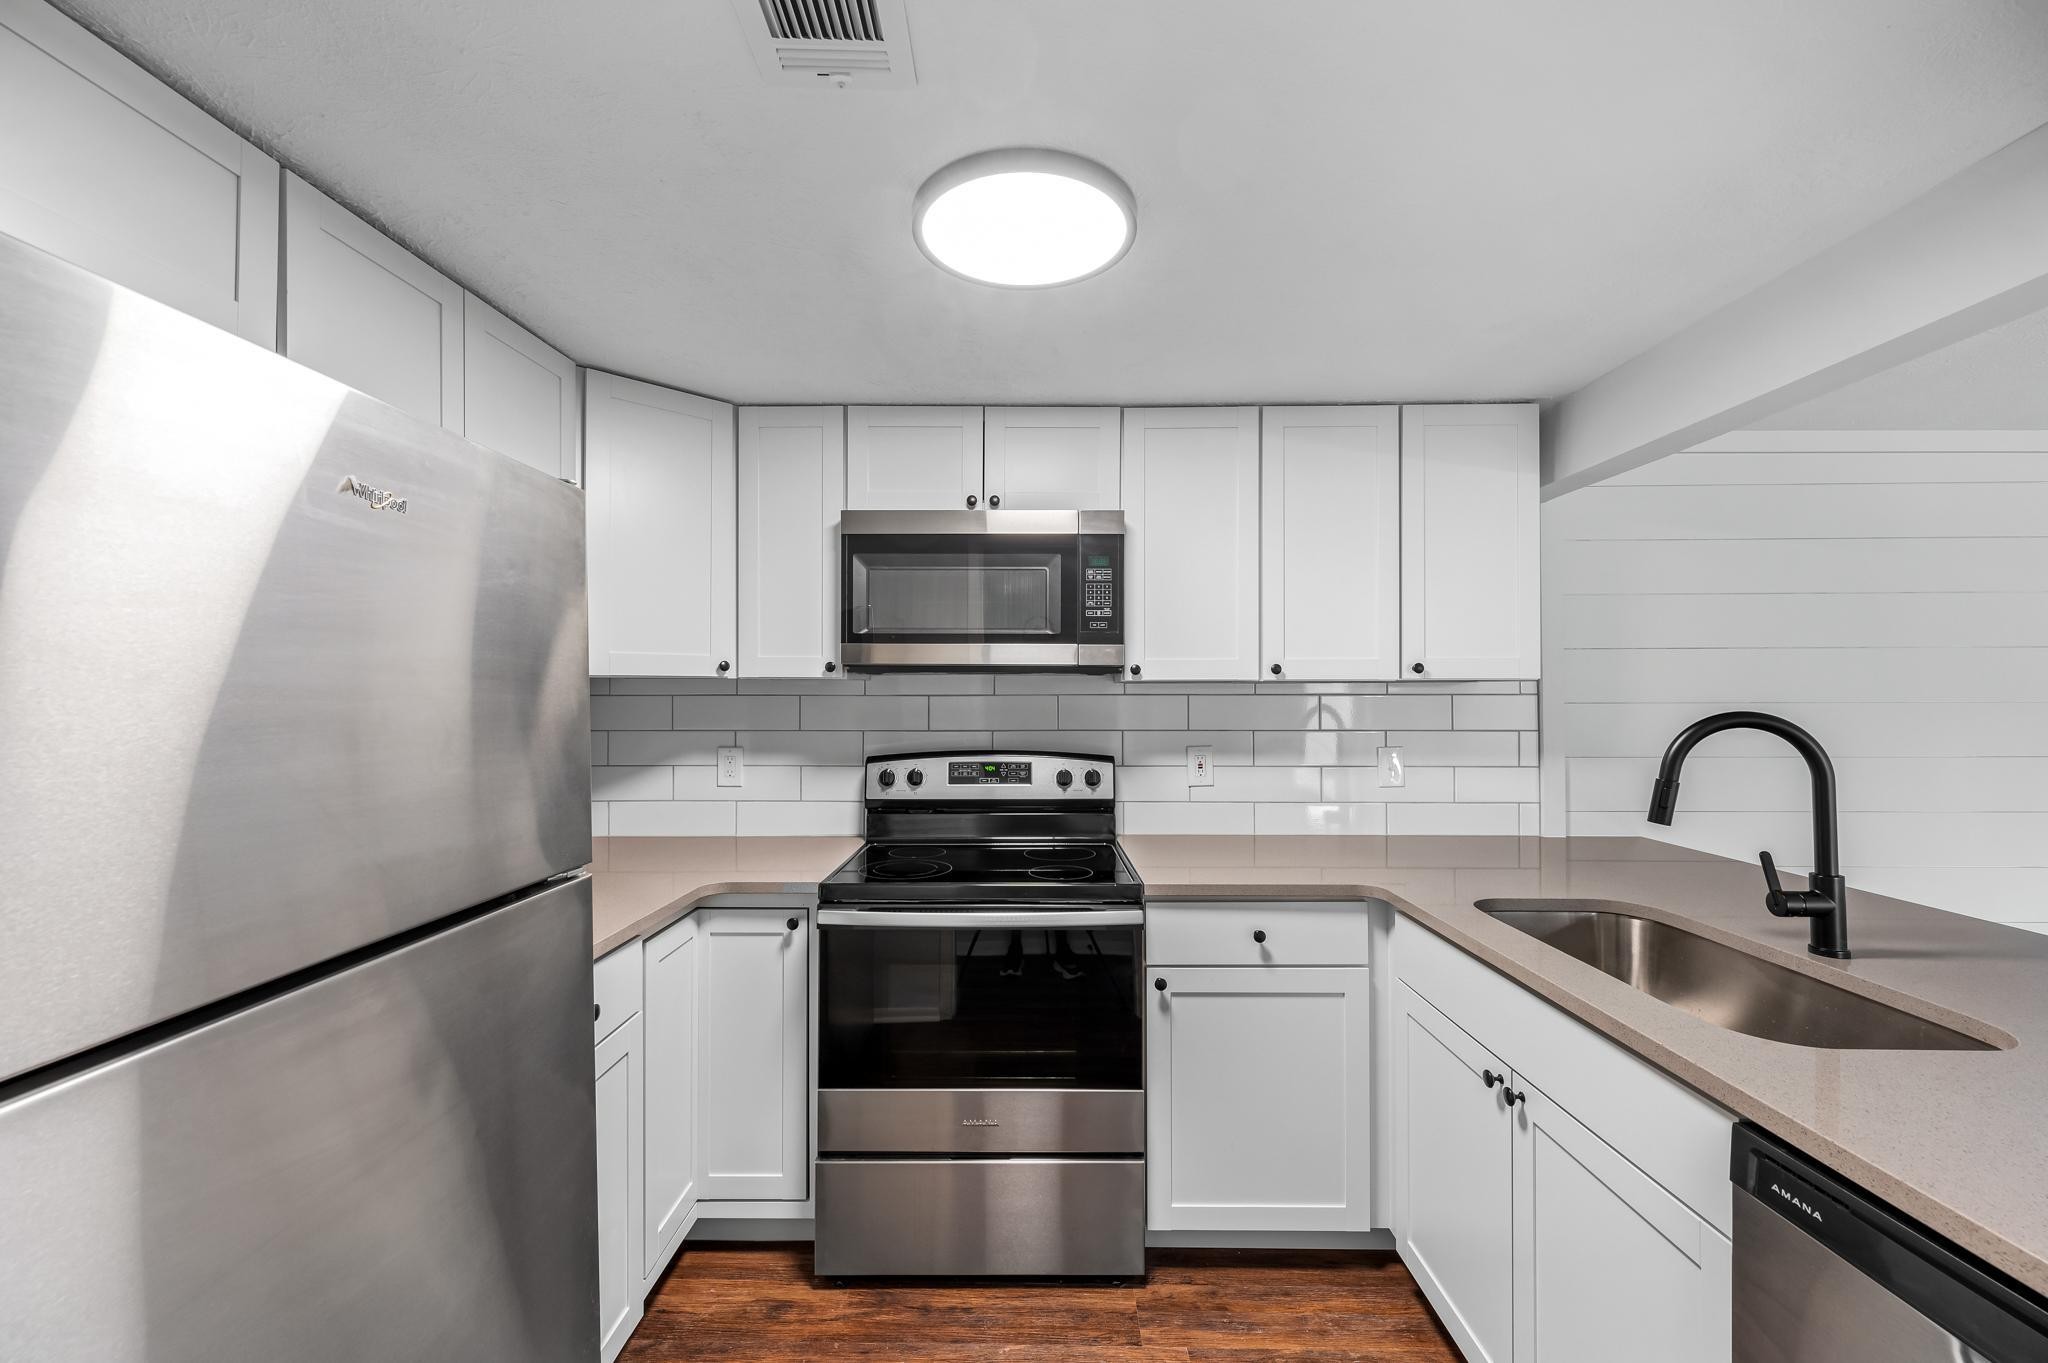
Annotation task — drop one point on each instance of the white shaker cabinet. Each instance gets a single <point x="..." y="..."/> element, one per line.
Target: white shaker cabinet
<point x="669" y="1029"/>
<point x="360" y="308"/>
<point x="619" y="1201"/>
<point x="1454" y="1177"/>
<point x="913" y="458"/>
<point x="792" y="487"/>
<point x="658" y="472"/>
<point x="1470" y="481"/>
<point x="1052" y="458"/>
<point x="1330" y="564"/>
<point x="1258" y="1099"/>
<point x="753" y="1050"/>
<point x="519" y="394"/>
<point x="105" y="166"/>
<point x="1191" y="543"/>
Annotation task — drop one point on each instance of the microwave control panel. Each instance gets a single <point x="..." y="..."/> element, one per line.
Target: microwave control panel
<point x="1101" y="589"/>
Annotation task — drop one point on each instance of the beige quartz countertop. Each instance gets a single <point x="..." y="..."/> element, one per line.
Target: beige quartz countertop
<point x="1956" y="1139"/>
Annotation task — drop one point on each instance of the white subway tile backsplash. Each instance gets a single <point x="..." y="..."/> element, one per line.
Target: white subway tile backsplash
<point x="1494" y="712"/>
<point x="1290" y="758"/>
<point x="1386" y="712"/>
<point x="995" y="712"/>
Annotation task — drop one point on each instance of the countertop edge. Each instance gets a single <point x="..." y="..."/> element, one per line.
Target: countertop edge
<point x="685" y="904"/>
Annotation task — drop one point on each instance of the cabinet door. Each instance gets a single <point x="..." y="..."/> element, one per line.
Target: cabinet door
<point x="360" y="308"/>
<point x="106" y="166"/>
<point x="1454" y="1177"/>
<point x="1470" y="478"/>
<point x="1258" y="1102"/>
<point x="913" y="458"/>
<point x="669" y="1029"/>
<point x="1191" y="543"/>
<point x="1605" y="1259"/>
<point x="1053" y="458"/>
<point x="1330" y="560"/>
<point x="619" y="1115"/>
<point x="792" y="489"/>
<point x="659" y="481"/>
<point x="518" y="392"/>
<point x="753" y="1093"/>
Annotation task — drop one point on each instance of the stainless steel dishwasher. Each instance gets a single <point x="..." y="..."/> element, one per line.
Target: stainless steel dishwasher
<point x="1825" y="1273"/>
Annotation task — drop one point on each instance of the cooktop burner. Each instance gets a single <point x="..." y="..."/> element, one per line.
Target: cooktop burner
<point x="907" y="868"/>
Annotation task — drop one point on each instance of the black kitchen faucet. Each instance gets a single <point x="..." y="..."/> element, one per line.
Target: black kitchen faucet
<point x="1826" y="900"/>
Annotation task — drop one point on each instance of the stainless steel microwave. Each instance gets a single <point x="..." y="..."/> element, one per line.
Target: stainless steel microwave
<point x="982" y="590"/>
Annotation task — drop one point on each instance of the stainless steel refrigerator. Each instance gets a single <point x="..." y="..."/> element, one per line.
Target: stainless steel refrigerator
<point x="295" y="1049"/>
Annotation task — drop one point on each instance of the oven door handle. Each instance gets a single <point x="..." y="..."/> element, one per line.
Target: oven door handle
<point x="993" y="917"/>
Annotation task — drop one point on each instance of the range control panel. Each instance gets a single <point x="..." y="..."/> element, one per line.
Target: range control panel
<point x="946" y="778"/>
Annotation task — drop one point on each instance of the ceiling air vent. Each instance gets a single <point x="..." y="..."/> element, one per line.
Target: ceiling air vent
<point x="829" y="44"/>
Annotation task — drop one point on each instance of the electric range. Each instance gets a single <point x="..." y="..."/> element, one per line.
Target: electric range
<point x="981" y="1102"/>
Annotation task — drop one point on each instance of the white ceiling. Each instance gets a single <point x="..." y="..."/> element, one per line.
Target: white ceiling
<point x="1382" y="199"/>
<point x="1996" y="380"/>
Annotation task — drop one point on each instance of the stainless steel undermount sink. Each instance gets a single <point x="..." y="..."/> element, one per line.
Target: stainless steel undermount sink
<point x="1721" y="984"/>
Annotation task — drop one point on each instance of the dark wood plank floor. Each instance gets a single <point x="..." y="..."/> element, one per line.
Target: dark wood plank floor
<point x="759" y="1303"/>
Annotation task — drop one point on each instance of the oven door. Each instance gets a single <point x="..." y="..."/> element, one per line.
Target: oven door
<point x="981" y="1031"/>
<point x="981" y="590"/>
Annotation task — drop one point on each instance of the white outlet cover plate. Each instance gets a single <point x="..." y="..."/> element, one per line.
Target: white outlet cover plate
<point x="1392" y="772"/>
<point x="732" y="766"/>
<point x="1201" y="765"/>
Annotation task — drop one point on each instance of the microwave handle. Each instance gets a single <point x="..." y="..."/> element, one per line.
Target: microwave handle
<point x="993" y="917"/>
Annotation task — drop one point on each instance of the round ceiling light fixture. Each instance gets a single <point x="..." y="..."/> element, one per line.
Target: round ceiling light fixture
<point x="1024" y="218"/>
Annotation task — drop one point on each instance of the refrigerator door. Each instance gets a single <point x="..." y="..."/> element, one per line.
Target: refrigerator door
<point x="395" y="1162"/>
<point x="283" y="670"/>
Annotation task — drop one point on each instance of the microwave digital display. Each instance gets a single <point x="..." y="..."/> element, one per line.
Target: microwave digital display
<point x="988" y="773"/>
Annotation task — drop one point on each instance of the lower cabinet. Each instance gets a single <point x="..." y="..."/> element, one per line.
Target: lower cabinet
<point x="619" y="1205"/>
<point x="669" y="1017"/>
<point x="1535" y="1239"/>
<point x="753" y="1054"/>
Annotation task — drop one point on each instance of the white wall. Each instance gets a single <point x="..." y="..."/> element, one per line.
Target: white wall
<point x="1290" y="757"/>
<point x="1888" y="590"/>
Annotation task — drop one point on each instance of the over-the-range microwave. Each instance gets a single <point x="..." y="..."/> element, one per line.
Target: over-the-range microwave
<point x="982" y="590"/>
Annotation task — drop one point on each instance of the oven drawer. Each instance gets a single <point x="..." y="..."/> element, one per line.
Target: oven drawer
<point x="982" y="1121"/>
<point x="1327" y="932"/>
<point x="974" y="1217"/>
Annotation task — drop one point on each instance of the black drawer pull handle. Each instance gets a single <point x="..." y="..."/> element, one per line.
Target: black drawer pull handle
<point x="792" y="925"/>
<point x="1258" y="934"/>
<point x="1491" y="1078"/>
<point x="1160" y="985"/>
<point x="1514" y="1097"/>
<point x="596" y="1011"/>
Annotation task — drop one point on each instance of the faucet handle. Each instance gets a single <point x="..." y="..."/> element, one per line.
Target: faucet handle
<point x="1775" y="901"/>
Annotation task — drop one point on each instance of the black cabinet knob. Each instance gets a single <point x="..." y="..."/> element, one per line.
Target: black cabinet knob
<point x="725" y="667"/>
<point x="972" y="501"/>
<point x="1274" y="669"/>
<point x="1160" y="985"/>
<point x="596" y="1011"/>
<point x="1491" y="1078"/>
<point x="793" y="924"/>
<point x="831" y="667"/>
<point x="994" y="501"/>
<point x="1514" y="1097"/>
<point x="1137" y="671"/>
<point x="1417" y="669"/>
<point x="1258" y="934"/>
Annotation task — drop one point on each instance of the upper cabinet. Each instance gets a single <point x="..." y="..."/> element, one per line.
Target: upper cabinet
<point x="518" y="392"/>
<point x="362" y="309"/>
<point x="1191" y="543"/>
<point x="1052" y="458"/>
<point x="792" y="487"/>
<point x="659" y="476"/>
<point x="1330" y="571"/>
<point x="913" y="458"/>
<point x="1470" y="482"/>
<point x="109" y="168"/>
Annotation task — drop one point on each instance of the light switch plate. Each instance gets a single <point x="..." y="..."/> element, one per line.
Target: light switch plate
<point x="1392" y="772"/>
<point x="1201" y="765"/>
<point x="732" y="766"/>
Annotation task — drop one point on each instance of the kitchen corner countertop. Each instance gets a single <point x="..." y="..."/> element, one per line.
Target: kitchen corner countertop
<point x="1953" y="1138"/>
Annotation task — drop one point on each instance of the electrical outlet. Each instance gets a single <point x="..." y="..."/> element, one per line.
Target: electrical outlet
<point x="1201" y="766"/>
<point x="732" y="766"/>
<point x="1392" y="773"/>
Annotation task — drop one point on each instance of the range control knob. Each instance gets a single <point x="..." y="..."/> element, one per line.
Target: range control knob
<point x="916" y="777"/>
<point x="1093" y="778"/>
<point x="1064" y="779"/>
<point x="887" y="778"/>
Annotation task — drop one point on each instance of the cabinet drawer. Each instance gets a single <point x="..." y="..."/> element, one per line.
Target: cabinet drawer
<point x="1257" y="933"/>
<point x="615" y="987"/>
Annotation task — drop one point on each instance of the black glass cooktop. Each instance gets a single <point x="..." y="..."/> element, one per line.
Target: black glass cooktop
<point x="1002" y="871"/>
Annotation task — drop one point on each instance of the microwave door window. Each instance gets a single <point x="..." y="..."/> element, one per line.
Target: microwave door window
<point x="911" y="595"/>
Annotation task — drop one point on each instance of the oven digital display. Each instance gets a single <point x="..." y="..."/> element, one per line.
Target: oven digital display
<point x="988" y="773"/>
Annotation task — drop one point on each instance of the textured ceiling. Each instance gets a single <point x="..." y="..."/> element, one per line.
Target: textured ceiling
<point x="1996" y="380"/>
<point x="1337" y="198"/>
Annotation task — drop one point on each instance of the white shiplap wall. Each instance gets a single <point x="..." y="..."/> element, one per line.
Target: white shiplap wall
<point x="1290" y="758"/>
<point x="1888" y="590"/>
